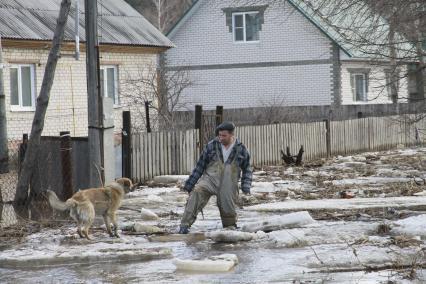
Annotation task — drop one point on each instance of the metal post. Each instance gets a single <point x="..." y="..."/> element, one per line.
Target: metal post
<point x="66" y="161"/>
<point x="126" y="150"/>
<point x="4" y="152"/>
<point x="95" y="109"/>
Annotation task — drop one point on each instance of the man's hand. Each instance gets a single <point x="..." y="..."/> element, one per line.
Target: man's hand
<point x="181" y="186"/>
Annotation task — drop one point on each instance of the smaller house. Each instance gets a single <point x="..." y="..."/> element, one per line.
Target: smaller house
<point x="288" y="54"/>
<point x="128" y="43"/>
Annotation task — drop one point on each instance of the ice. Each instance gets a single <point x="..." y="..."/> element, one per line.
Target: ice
<point x="155" y="198"/>
<point x="170" y="178"/>
<point x="221" y="263"/>
<point x="146" y="191"/>
<point x="412" y="226"/>
<point x="370" y="180"/>
<point x="147" y="229"/>
<point x="292" y="220"/>
<point x="340" y="204"/>
<point x="228" y="236"/>
<point x="147" y="214"/>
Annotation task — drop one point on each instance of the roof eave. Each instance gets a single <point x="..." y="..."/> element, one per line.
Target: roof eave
<point x="183" y="19"/>
<point x="330" y="37"/>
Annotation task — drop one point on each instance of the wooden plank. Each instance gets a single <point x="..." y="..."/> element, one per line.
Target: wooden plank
<point x="146" y="158"/>
<point x="141" y="157"/>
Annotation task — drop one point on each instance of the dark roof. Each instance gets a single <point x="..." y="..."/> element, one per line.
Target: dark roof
<point x="118" y="22"/>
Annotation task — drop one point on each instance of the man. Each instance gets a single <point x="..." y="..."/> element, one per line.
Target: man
<point x="217" y="173"/>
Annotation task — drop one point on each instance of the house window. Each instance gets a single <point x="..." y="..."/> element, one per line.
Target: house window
<point x="22" y="87"/>
<point x="359" y="87"/>
<point x="246" y="26"/>
<point x="109" y="83"/>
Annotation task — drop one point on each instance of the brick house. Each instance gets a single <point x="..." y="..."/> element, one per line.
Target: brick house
<point x="127" y="43"/>
<point x="248" y="54"/>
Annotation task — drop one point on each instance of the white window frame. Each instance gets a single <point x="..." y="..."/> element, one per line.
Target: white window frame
<point x="103" y="68"/>
<point x="244" y="27"/>
<point x="365" y="99"/>
<point x="19" y="106"/>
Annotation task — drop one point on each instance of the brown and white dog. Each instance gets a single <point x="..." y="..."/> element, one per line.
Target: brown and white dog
<point x="84" y="204"/>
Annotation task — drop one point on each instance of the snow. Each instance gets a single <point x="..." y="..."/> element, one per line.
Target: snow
<point x="170" y="178"/>
<point x="155" y="198"/>
<point x="370" y="180"/>
<point x="282" y="185"/>
<point x="147" y="229"/>
<point x="292" y="220"/>
<point x="340" y="204"/>
<point x="147" y="214"/>
<point x="221" y="263"/>
<point x="411" y="226"/>
<point x="145" y="191"/>
<point x="47" y="248"/>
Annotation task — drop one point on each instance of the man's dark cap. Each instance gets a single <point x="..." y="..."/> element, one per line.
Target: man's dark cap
<point x="227" y="125"/>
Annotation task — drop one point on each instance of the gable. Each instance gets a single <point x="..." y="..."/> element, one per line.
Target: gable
<point x="348" y="31"/>
<point x="118" y="23"/>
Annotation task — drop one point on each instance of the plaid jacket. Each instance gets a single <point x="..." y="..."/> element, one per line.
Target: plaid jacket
<point x="209" y="152"/>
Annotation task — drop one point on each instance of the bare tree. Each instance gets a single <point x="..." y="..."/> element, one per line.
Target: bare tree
<point x="162" y="87"/>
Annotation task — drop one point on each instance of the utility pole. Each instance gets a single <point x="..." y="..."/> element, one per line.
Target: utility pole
<point x="4" y="152"/>
<point x="95" y="108"/>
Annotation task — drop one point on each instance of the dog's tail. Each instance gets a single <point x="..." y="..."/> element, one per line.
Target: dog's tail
<point x="57" y="204"/>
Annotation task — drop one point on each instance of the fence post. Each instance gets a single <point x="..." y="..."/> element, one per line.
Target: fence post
<point x="67" y="182"/>
<point x="219" y="115"/>
<point x="148" y="122"/>
<point x="199" y="124"/>
<point x="126" y="145"/>
<point x="328" y="137"/>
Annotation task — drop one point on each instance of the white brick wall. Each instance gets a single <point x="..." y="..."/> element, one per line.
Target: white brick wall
<point x="286" y="36"/>
<point x="67" y="110"/>
<point x="279" y="85"/>
<point x="377" y="90"/>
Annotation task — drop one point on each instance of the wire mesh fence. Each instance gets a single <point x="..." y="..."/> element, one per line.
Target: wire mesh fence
<point x="61" y="166"/>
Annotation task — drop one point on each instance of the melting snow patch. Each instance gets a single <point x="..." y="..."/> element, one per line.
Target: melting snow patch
<point x="147" y="214"/>
<point x="220" y="263"/>
<point x="281" y="185"/>
<point x="412" y="226"/>
<point x="370" y="180"/>
<point x="155" y="198"/>
<point x="292" y="220"/>
<point x="170" y="178"/>
<point x="152" y="191"/>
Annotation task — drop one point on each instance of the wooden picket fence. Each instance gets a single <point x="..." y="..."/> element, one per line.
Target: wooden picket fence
<point x="161" y="153"/>
<point x="164" y="153"/>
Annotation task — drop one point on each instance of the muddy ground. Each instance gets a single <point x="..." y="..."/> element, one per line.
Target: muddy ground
<point x="354" y="219"/>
